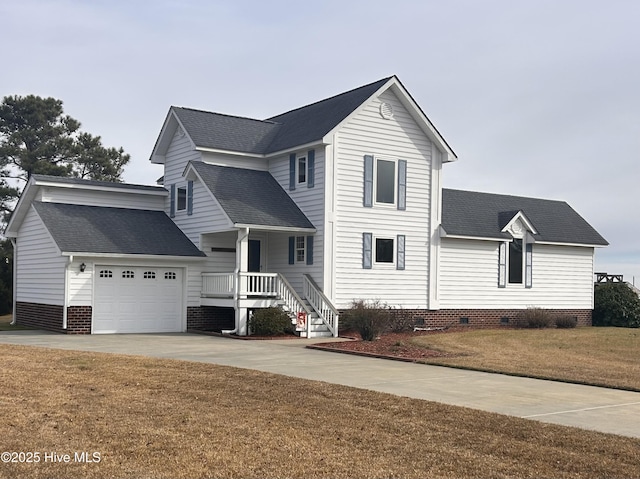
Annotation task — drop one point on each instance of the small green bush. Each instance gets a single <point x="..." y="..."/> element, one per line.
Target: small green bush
<point x="565" y="321"/>
<point x="270" y="322"/>
<point x="535" y="318"/>
<point x="616" y="304"/>
<point x="370" y="319"/>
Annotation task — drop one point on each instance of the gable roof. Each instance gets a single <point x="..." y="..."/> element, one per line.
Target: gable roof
<point x="302" y="126"/>
<point x="312" y="122"/>
<point x="99" y="229"/>
<point x="251" y="197"/>
<point x="484" y="215"/>
<point x="42" y="179"/>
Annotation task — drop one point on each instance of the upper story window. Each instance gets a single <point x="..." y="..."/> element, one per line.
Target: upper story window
<point x="386" y="182"/>
<point x="181" y="198"/>
<point x="301" y="170"/>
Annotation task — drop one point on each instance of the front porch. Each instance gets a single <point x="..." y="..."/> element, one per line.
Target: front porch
<point x="311" y="312"/>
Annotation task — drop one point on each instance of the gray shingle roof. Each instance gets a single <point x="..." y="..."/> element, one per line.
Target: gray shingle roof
<point x="469" y="213"/>
<point x="312" y="122"/>
<point x="225" y="132"/>
<point x="287" y="130"/>
<point x="98" y="229"/>
<point x="107" y="184"/>
<point x="251" y="197"/>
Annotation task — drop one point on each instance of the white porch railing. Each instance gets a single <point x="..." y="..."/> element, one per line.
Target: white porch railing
<point x="274" y="285"/>
<point x="320" y="304"/>
<point x="219" y="285"/>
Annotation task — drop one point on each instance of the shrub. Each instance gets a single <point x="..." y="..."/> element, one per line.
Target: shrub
<point x="565" y="321"/>
<point x="615" y="304"/>
<point x="400" y="321"/>
<point x="270" y="322"/>
<point x="535" y="318"/>
<point x="370" y="319"/>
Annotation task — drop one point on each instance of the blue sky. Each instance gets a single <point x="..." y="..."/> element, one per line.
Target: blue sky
<point x="538" y="98"/>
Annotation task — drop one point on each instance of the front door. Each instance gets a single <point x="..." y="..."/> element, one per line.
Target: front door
<point x="255" y="265"/>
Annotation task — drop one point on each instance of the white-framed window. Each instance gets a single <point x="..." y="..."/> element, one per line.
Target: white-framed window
<point x="106" y="273"/>
<point x="516" y="261"/>
<point x="181" y="198"/>
<point x="302" y="170"/>
<point x="169" y="275"/>
<point x="128" y="274"/>
<point x="301" y="249"/>
<point x="385" y="181"/>
<point x="149" y="275"/>
<point x="384" y="250"/>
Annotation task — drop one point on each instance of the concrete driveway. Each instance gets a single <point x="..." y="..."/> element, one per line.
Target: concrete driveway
<point x="607" y="410"/>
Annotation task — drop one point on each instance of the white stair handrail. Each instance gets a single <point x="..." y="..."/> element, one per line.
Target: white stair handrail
<point x="292" y="301"/>
<point x="321" y="304"/>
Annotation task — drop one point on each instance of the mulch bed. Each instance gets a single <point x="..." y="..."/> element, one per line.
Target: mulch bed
<point x="393" y="345"/>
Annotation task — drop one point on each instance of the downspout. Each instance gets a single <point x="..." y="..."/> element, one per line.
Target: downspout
<point x="66" y="293"/>
<point x="236" y="276"/>
<point x="15" y="280"/>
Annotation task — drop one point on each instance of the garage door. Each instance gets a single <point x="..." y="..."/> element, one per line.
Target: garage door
<point x="137" y="299"/>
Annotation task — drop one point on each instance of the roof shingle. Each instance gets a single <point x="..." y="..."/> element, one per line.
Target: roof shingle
<point x="251" y="197"/>
<point x="294" y="128"/>
<point x="99" y="229"/>
<point x="470" y="213"/>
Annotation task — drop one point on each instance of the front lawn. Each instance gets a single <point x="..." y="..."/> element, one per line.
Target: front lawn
<point x="142" y="417"/>
<point x="599" y="356"/>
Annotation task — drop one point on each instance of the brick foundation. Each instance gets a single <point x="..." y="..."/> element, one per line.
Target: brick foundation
<point x="210" y="318"/>
<point x="482" y="317"/>
<point x="40" y="316"/>
<point x="50" y="317"/>
<point x="79" y="320"/>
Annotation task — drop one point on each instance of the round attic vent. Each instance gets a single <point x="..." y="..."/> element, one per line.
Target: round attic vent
<point x="386" y="110"/>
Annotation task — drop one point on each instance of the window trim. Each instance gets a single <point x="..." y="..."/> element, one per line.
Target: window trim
<point x="299" y="159"/>
<point x="374" y="252"/>
<point x="178" y="190"/>
<point x="394" y="204"/>
<point x="297" y="250"/>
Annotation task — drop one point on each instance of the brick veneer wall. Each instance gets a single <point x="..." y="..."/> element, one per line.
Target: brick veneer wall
<point x="40" y="316"/>
<point x="484" y="317"/>
<point x="210" y="318"/>
<point x="79" y="320"/>
<point x="50" y="317"/>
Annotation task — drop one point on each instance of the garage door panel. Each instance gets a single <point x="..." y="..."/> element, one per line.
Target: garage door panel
<point x="138" y="299"/>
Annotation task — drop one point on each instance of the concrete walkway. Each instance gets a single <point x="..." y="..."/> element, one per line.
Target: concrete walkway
<point x="601" y="409"/>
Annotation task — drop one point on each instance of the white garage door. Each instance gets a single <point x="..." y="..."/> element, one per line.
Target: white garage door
<point x="137" y="299"/>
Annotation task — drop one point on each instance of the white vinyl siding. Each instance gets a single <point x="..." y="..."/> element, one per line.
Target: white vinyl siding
<point x="220" y="261"/>
<point x="235" y="161"/>
<point x="117" y="199"/>
<point x="311" y="202"/>
<point x="562" y="277"/>
<point x="80" y="283"/>
<point x="207" y="216"/>
<point x="399" y="138"/>
<point x="40" y="267"/>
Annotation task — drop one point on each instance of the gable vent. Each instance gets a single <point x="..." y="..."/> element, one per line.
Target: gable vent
<point x="386" y="110"/>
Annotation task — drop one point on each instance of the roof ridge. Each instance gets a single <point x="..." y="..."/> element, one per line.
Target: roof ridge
<point x="197" y="110"/>
<point x="88" y="181"/>
<point x="505" y="195"/>
<point x="331" y="97"/>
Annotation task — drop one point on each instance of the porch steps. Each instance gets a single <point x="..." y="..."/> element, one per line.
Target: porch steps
<point x="317" y="328"/>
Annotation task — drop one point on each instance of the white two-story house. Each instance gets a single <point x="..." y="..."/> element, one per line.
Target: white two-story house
<point x="311" y="209"/>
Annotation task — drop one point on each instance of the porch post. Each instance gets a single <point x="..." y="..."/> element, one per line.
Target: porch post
<point x="242" y="265"/>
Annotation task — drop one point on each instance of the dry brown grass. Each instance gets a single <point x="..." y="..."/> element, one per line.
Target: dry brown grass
<point x="162" y="418"/>
<point x="601" y="356"/>
<point x="5" y="324"/>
